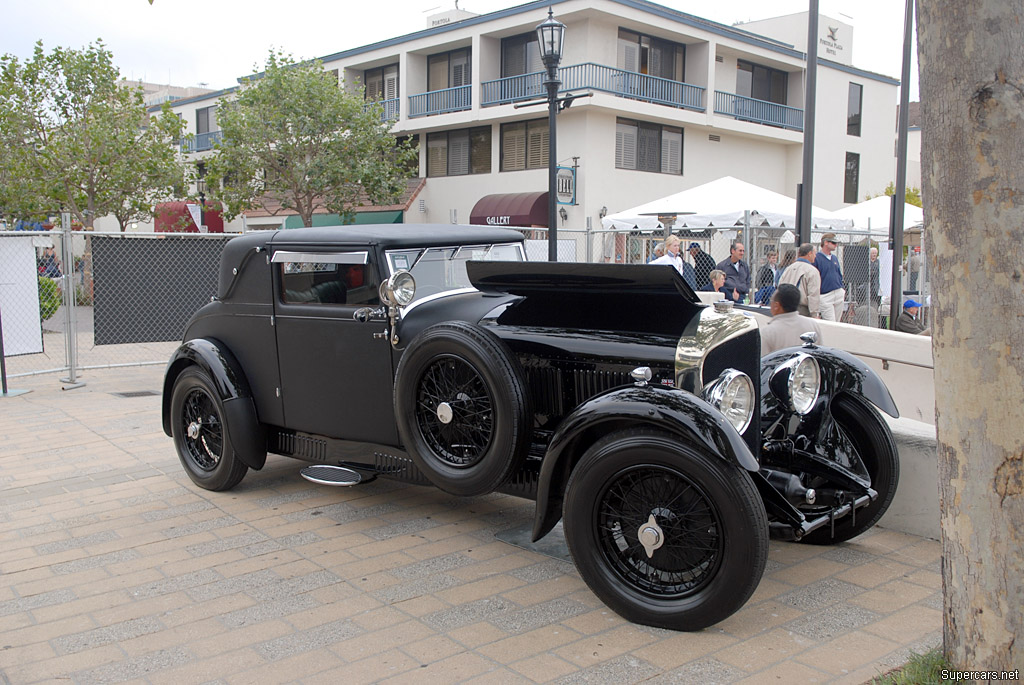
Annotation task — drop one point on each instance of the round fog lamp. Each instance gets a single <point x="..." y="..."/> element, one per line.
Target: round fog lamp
<point x="804" y="384"/>
<point x="733" y="395"/>
<point x="403" y="288"/>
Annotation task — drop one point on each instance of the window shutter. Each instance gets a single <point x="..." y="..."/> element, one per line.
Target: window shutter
<point x="459" y="69"/>
<point x="671" y="152"/>
<point x="513" y="147"/>
<point x="480" y="150"/>
<point x="629" y="55"/>
<point x="648" y="154"/>
<point x="458" y="152"/>
<point x="625" y="146"/>
<point x="391" y="82"/>
<point x="374" y="82"/>
<point x="437" y="154"/>
<point x="533" y="61"/>
<point x="537" y="145"/>
<point x="513" y="57"/>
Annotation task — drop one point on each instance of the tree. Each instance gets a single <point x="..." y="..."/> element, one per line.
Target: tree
<point x="972" y="76"/>
<point x="913" y="195"/>
<point x="79" y="138"/>
<point x="295" y="139"/>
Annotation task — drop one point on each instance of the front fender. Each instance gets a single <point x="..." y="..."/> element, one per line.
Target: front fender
<point x="244" y="429"/>
<point x="673" y="411"/>
<point x="841" y="371"/>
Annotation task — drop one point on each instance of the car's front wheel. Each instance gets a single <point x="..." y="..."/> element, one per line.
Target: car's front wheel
<point x="664" y="534"/>
<point x="201" y="435"/>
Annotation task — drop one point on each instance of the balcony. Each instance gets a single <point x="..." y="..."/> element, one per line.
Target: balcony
<point x="440" y="101"/>
<point x="391" y="109"/>
<point x="589" y="76"/>
<point x="759" y="111"/>
<point x="201" y="142"/>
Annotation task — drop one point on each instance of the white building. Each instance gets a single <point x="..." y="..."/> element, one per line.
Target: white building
<point x="674" y="101"/>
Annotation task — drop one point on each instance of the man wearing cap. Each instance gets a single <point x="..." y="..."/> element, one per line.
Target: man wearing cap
<point x="908" y="321"/>
<point x="703" y="264"/>
<point x="832" y="292"/>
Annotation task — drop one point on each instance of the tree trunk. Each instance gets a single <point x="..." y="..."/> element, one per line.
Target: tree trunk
<point x="972" y="161"/>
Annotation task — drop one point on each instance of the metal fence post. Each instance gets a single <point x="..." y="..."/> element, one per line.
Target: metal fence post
<point x="70" y="328"/>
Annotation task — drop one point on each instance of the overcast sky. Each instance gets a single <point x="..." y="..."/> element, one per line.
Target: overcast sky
<point x="213" y="42"/>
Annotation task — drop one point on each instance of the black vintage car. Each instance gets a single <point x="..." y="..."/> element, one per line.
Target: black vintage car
<point x="643" y="419"/>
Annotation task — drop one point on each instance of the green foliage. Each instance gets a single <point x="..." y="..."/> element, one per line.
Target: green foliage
<point x="296" y="139"/>
<point x="922" y="669"/>
<point x="74" y="136"/>
<point x="49" y="298"/>
<point x="83" y="297"/>
<point x="913" y="194"/>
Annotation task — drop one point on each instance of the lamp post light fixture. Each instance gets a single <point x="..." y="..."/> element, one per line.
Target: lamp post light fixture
<point x="550" y="35"/>
<point x="201" y="188"/>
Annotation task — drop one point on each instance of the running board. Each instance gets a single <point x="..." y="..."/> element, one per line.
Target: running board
<point x="322" y="474"/>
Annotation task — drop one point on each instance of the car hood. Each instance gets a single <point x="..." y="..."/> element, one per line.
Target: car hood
<point x="628" y="298"/>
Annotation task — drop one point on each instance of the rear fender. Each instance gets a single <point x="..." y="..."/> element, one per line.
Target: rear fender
<point x="244" y="430"/>
<point x="679" y="413"/>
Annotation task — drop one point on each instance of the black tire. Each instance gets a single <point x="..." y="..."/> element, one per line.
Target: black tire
<point x="711" y="518"/>
<point x="201" y="435"/>
<point x="870" y="435"/>
<point x="461" y="408"/>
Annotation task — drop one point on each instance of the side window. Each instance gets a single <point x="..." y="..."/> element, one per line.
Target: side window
<point x="335" y="280"/>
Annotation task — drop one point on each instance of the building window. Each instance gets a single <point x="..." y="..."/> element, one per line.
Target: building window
<point x="648" y="147"/>
<point x="853" y="109"/>
<point x="520" y="55"/>
<point x="382" y="83"/>
<point x="448" y="70"/>
<point x="460" y="152"/>
<point x="761" y="83"/>
<point x="205" y="120"/>
<point x="850" y="188"/>
<point x="652" y="56"/>
<point x="524" y="145"/>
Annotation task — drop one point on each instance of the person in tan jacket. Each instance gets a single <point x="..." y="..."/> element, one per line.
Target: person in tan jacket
<point x="805" y="276"/>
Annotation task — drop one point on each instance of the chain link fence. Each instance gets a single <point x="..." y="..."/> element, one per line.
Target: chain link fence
<point x="75" y="301"/>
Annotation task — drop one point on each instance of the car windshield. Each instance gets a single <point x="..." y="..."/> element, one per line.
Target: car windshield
<point x="438" y="269"/>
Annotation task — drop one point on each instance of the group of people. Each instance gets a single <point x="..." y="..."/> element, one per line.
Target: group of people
<point x="808" y="288"/>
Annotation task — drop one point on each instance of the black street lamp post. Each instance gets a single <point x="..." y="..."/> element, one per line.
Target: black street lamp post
<point x="551" y="34"/>
<point x="201" y="187"/>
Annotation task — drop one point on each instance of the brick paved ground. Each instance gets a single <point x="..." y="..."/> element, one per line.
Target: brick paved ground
<point x="114" y="567"/>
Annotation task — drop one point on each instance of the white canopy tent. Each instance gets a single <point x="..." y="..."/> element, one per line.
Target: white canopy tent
<point x="722" y="203"/>
<point x="873" y="215"/>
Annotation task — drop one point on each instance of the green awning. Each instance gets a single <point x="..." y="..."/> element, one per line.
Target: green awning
<point x="394" y="217"/>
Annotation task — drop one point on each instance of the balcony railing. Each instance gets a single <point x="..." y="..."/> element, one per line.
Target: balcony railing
<point x="758" y="111"/>
<point x="589" y="76"/>
<point x="391" y="109"/>
<point x="202" y="141"/>
<point x="440" y="101"/>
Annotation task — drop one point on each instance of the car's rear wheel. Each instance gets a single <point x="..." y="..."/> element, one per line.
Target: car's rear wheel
<point x="461" y="409"/>
<point x="871" y="437"/>
<point x="201" y="435"/>
<point x="664" y="534"/>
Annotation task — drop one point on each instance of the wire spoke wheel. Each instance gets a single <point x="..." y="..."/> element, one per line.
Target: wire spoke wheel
<point x="203" y="431"/>
<point x="454" y="411"/>
<point x="692" y="543"/>
<point x="664" y="534"/>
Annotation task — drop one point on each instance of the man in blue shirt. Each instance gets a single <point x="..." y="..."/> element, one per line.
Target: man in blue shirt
<point x="737" y="273"/>
<point x="833" y="294"/>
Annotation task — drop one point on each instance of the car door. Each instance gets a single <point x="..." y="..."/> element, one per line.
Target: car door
<point x="336" y="372"/>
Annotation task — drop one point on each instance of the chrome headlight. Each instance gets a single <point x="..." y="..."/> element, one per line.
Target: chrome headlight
<point x="797" y="382"/>
<point x="399" y="290"/>
<point x="732" y="393"/>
